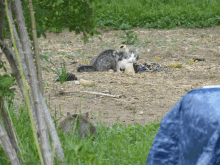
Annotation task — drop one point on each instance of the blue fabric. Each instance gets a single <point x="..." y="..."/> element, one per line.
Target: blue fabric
<point x="189" y="133"/>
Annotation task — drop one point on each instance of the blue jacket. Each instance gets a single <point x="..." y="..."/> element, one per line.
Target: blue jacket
<point x="189" y="133"/>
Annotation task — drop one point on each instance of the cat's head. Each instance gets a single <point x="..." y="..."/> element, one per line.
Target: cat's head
<point x="118" y="54"/>
<point x="131" y="55"/>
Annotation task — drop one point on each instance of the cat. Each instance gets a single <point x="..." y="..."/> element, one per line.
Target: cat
<point x="111" y="59"/>
<point x="105" y="61"/>
<point x="130" y="56"/>
<point x="78" y="124"/>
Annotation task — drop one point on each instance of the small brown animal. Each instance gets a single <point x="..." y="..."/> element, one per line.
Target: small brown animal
<point x="83" y="126"/>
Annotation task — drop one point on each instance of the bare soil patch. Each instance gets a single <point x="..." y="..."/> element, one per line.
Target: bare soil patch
<point x="144" y="97"/>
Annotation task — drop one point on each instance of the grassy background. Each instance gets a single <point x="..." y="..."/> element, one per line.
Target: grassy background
<point x="130" y="144"/>
<point x="162" y="14"/>
<point x="119" y="145"/>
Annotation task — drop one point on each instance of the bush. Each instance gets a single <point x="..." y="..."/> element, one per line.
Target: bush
<point x="56" y="15"/>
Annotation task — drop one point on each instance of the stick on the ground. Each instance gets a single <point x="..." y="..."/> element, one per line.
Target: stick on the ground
<point x="101" y="94"/>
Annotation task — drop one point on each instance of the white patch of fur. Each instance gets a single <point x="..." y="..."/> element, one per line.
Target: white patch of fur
<point x="121" y="64"/>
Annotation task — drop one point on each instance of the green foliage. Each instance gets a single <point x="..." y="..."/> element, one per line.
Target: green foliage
<point x="62" y="74"/>
<point x="178" y="66"/>
<point x="119" y="145"/>
<point x="21" y="120"/>
<point x="116" y="145"/>
<point x="6" y="81"/>
<point x="130" y="38"/>
<point x="45" y="58"/>
<point x="162" y="14"/>
<point x="56" y="15"/>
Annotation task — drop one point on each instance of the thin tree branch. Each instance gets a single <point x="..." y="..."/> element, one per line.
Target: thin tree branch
<point x="53" y="132"/>
<point x="7" y="146"/>
<point x="8" y="126"/>
<point x="11" y="57"/>
<point x="2" y="3"/>
<point x="2" y="18"/>
<point x="45" y="143"/>
<point x="18" y="43"/>
<point x="13" y="131"/>
<point x="36" y="46"/>
<point x="23" y="79"/>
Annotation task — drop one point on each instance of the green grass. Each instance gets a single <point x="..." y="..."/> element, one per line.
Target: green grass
<point x="162" y="14"/>
<point x="116" y="145"/>
<point x="62" y="74"/>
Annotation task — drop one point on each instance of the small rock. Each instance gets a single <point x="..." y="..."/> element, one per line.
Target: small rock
<point x="111" y="71"/>
<point x="87" y="82"/>
<point x="141" y="113"/>
<point x="166" y="71"/>
<point x="77" y="82"/>
<point x="129" y="69"/>
<point x="71" y="77"/>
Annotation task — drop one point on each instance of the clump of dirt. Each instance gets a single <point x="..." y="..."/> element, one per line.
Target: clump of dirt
<point x="126" y="99"/>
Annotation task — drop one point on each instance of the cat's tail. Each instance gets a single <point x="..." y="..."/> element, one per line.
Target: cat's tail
<point x="85" y="68"/>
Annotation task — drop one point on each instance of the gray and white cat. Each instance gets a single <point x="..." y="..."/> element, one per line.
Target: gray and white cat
<point x="130" y="56"/>
<point x="110" y="59"/>
<point x="106" y="60"/>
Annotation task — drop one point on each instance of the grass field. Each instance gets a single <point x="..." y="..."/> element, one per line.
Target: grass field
<point x="119" y="145"/>
<point x="162" y="14"/>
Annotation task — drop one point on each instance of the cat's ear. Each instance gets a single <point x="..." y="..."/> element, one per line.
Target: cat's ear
<point x="85" y="115"/>
<point x="137" y="51"/>
<point x="127" y="50"/>
<point x="68" y="114"/>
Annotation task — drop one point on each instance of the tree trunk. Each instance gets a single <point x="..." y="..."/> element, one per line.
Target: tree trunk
<point x="7" y="147"/>
<point x="2" y="18"/>
<point x="53" y="132"/>
<point x="8" y="52"/>
<point x="31" y="76"/>
<point x="8" y="126"/>
<point x="10" y="55"/>
<point x="8" y="13"/>
<point x="19" y="47"/>
<point x="45" y="143"/>
<point x="48" y="118"/>
<point x="36" y="46"/>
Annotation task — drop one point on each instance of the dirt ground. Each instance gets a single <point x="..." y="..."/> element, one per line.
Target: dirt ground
<point x="144" y="97"/>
